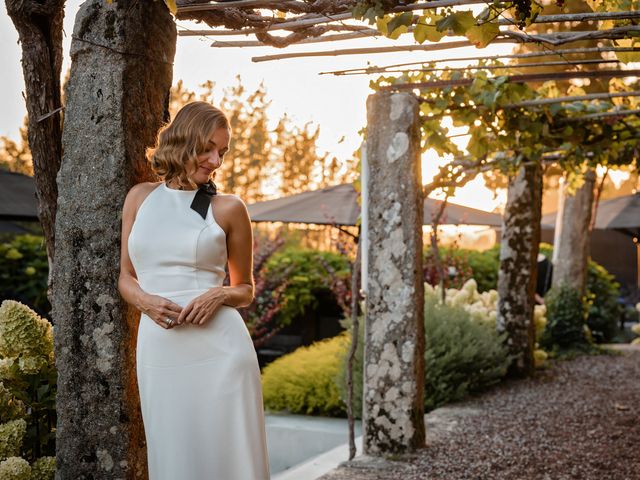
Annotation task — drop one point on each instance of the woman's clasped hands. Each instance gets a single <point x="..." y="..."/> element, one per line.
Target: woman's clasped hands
<point x="169" y="314"/>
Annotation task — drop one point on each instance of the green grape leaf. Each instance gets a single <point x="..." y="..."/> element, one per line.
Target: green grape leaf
<point x="482" y="35"/>
<point x="627" y="57"/>
<point x="458" y="22"/>
<point x="399" y="24"/>
<point x="426" y="29"/>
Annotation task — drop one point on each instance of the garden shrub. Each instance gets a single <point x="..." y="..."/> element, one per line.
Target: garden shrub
<point x="604" y="311"/>
<point x="566" y="328"/>
<point x="24" y="270"/>
<point x="455" y="267"/>
<point x="482" y="307"/>
<point x="27" y="394"/>
<point x="305" y="275"/>
<point x="484" y="267"/>
<point x="462" y="356"/>
<point x="602" y="290"/>
<point x="304" y="381"/>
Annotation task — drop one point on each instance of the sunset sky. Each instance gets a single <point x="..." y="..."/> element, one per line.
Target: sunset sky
<point x="336" y="103"/>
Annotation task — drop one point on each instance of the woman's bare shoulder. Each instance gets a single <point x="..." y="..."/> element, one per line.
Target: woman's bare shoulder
<point x="228" y="207"/>
<point x="230" y="203"/>
<point x="137" y="193"/>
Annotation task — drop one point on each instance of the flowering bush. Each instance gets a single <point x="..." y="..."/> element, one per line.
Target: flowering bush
<point x="483" y="307"/>
<point x="27" y="394"/>
<point x="15" y="468"/>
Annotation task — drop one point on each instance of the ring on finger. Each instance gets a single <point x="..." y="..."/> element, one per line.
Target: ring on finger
<point x="169" y="321"/>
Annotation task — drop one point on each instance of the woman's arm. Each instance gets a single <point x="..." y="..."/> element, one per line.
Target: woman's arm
<point x="241" y="290"/>
<point x="157" y="308"/>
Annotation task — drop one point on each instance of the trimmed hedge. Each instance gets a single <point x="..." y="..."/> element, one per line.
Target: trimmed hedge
<point x="304" y="381"/>
<point x="462" y="356"/>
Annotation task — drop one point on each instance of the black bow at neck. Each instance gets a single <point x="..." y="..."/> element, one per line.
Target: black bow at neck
<point x="202" y="198"/>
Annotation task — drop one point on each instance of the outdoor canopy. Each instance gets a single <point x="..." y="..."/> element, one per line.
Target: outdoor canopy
<point x="621" y="213"/>
<point x="338" y="205"/>
<point x="17" y="197"/>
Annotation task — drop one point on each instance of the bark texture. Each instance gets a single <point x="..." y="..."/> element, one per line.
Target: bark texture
<point x="39" y="26"/>
<point x="393" y="403"/>
<point x="519" y="248"/>
<point x="575" y="235"/>
<point x="116" y="99"/>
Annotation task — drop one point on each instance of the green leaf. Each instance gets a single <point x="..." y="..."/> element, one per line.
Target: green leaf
<point x="482" y="35"/>
<point x="399" y="24"/>
<point x="426" y="29"/>
<point x="458" y="22"/>
<point x="627" y="57"/>
<point x="536" y="8"/>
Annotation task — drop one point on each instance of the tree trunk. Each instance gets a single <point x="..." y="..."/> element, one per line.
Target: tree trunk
<point x="393" y="397"/>
<point x="39" y="26"/>
<point x="519" y="247"/>
<point x="574" y="238"/>
<point x="117" y="98"/>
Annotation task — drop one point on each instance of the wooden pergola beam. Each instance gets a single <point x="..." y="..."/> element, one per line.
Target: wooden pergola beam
<point x="598" y="116"/>
<point x="544" y="53"/>
<point x="314" y="18"/>
<point x="575" y="98"/>
<point x="505" y="37"/>
<point x="368" y="32"/>
<point x="361" y="51"/>
<point x="530" y="77"/>
<point x="498" y="67"/>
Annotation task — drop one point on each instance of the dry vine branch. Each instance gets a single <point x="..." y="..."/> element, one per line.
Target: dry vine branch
<point x="369" y="32"/>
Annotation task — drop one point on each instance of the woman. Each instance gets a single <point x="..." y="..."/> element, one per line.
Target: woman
<point x="197" y="370"/>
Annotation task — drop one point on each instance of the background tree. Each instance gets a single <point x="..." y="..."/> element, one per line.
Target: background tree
<point x="39" y="26"/>
<point x="264" y="162"/>
<point x="14" y="156"/>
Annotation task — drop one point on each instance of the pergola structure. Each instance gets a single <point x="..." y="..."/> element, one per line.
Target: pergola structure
<point x="116" y="98"/>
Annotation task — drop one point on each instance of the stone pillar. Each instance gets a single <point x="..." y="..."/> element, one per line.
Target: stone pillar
<point x="572" y="250"/>
<point x="393" y="396"/>
<point x="116" y="99"/>
<point x="519" y="248"/>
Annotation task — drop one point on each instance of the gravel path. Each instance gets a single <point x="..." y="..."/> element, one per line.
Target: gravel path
<point x="578" y="419"/>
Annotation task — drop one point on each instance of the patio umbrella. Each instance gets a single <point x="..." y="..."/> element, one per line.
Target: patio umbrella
<point x="339" y="205"/>
<point x="17" y="197"/>
<point x="621" y="213"/>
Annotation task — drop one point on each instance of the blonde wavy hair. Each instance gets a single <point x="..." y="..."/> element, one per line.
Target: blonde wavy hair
<point x="179" y="142"/>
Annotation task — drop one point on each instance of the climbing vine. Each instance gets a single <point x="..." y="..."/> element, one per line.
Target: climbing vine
<point x="503" y="135"/>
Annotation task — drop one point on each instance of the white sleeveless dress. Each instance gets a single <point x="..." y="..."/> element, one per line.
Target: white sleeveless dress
<point x="200" y="390"/>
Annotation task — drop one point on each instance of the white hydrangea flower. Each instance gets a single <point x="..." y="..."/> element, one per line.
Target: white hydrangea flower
<point x="11" y="435"/>
<point x="24" y="334"/>
<point x="15" y="468"/>
<point x="43" y="468"/>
